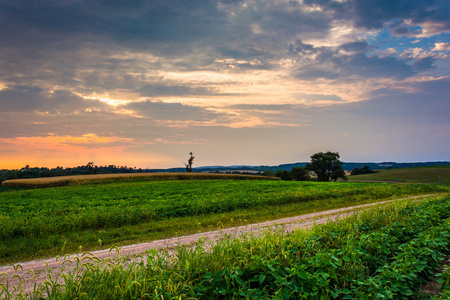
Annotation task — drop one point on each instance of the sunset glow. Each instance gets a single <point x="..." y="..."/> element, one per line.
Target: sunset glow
<point x="236" y="82"/>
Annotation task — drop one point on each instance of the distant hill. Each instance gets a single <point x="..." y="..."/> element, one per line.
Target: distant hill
<point x="348" y="166"/>
<point x="28" y="172"/>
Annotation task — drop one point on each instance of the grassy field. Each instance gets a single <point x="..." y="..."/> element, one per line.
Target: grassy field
<point x="383" y="253"/>
<point x="55" y="221"/>
<point x="45" y="182"/>
<point x="8" y="188"/>
<point x="413" y="175"/>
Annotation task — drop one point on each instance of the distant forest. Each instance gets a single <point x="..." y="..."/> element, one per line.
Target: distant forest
<point x="27" y="172"/>
<point x="90" y="168"/>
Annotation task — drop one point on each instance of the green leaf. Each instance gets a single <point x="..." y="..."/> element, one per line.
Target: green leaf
<point x="261" y="278"/>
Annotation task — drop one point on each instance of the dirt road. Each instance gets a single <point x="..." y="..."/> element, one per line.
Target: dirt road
<point x="25" y="275"/>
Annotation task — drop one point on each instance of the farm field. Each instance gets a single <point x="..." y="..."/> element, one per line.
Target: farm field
<point x="55" y="221"/>
<point x="44" y="182"/>
<point x="381" y="253"/>
<point x="412" y="175"/>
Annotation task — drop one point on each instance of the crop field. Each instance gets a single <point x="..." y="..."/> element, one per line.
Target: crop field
<point x="382" y="253"/>
<point x="44" y="182"/>
<point x="54" y="221"/>
<point x="412" y="175"/>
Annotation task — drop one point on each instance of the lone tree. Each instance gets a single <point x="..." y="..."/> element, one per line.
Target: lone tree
<point x="327" y="166"/>
<point x="189" y="164"/>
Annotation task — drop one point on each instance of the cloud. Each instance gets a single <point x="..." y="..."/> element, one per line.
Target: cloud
<point x="407" y="17"/>
<point x="173" y="90"/>
<point x="329" y="63"/>
<point x="28" y="99"/>
<point x="158" y="110"/>
<point x="402" y="28"/>
<point x="215" y="73"/>
<point x="441" y="47"/>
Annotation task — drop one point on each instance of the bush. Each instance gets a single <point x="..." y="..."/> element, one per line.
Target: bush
<point x="268" y="173"/>
<point x="283" y="174"/>
<point x="300" y="174"/>
<point x="364" y="170"/>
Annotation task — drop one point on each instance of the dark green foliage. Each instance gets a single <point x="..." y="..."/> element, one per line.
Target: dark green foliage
<point x="386" y="254"/>
<point x="268" y="173"/>
<point x="327" y="166"/>
<point x="285" y="175"/>
<point x="27" y="172"/>
<point x="34" y="221"/>
<point x="278" y="173"/>
<point x="364" y="170"/>
<point x="300" y="174"/>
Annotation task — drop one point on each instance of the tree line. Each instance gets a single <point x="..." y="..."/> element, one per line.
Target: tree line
<point x="89" y="168"/>
<point x="326" y="166"/>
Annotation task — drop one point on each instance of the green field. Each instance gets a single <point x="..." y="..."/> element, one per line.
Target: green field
<point x="55" y="221"/>
<point x="383" y="253"/>
<point x="413" y="175"/>
<point x="43" y="182"/>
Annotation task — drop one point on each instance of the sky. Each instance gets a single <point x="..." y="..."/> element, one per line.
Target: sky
<point x="237" y="82"/>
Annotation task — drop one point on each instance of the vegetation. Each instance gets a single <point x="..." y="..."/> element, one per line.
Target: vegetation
<point x="190" y="162"/>
<point x="296" y="173"/>
<point x="111" y="178"/>
<point x="384" y="253"/>
<point x="364" y="170"/>
<point x="432" y="174"/>
<point x="327" y="166"/>
<point x="28" y="172"/>
<point x="283" y="174"/>
<point x="444" y="280"/>
<point x="41" y="222"/>
<point x="300" y="174"/>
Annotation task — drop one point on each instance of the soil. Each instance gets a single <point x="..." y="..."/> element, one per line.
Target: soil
<point x="26" y="274"/>
<point x="433" y="287"/>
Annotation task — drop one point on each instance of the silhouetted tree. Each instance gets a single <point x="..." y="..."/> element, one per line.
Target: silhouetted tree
<point x="327" y="166"/>
<point x="189" y="164"/>
<point x="90" y="167"/>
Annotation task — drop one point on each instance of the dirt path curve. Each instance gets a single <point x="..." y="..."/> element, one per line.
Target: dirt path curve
<point x="35" y="272"/>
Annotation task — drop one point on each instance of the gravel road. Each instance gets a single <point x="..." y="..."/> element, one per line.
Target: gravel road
<point x="35" y="272"/>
